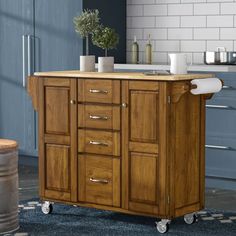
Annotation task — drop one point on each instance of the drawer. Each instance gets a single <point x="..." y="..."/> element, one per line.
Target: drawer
<point x="99" y="142"/>
<point x="221" y="116"/>
<point x="99" y="91"/>
<point x="99" y="180"/>
<point x="99" y="117"/>
<point x="221" y="157"/>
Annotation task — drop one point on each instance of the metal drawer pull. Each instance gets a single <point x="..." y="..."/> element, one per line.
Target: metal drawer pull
<point x="219" y="107"/>
<point x="98" y="143"/>
<point x="99" y="181"/>
<point x="98" y="117"/>
<point x="98" y="91"/>
<point x="218" y="147"/>
<point x="228" y="87"/>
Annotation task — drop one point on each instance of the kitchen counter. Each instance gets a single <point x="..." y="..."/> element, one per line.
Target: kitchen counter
<point x="194" y="67"/>
<point x="121" y="75"/>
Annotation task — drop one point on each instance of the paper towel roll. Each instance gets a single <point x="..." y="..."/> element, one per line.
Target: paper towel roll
<point x="204" y="86"/>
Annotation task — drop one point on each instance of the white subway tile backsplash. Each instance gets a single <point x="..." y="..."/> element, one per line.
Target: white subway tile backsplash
<point x="134" y="10"/>
<point x="159" y="57"/>
<point x="167" y="21"/>
<point x="179" y="33"/>
<point x="206" y="33"/>
<point x="220" y="21"/>
<point x="128" y="22"/>
<point x="207" y="9"/>
<point x="143" y="22"/>
<point x="167" y="1"/>
<point x="142" y="1"/>
<point x="198" y="58"/>
<point x="219" y="0"/>
<point x="212" y="45"/>
<point x="155" y="10"/>
<point x="155" y="33"/>
<point x="228" y="33"/>
<point x="190" y="26"/>
<point x="167" y="46"/>
<point x="228" y="8"/>
<point x="193" y="46"/>
<point x="135" y="32"/>
<point x="193" y="21"/>
<point x="180" y="9"/>
<point x="192" y="1"/>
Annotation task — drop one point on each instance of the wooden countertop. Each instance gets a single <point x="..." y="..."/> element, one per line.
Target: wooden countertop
<point x="121" y="75"/>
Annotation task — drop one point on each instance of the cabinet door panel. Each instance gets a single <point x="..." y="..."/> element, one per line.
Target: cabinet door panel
<point x="57" y="110"/>
<point x="58" y="167"/>
<point x="143" y="177"/>
<point x="140" y="138"/>
<point x="143" y="116"/>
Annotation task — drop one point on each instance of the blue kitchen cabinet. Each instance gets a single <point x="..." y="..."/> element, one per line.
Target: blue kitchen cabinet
<point x="221" y="135"/>
<point x="35" y="36"/>
<point x="16" y="113"/>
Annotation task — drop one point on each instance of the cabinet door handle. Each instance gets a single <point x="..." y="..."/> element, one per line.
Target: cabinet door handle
<point x="99" y="181"/>
<point x="98" y="117"/>
<point x="29" y="47"/>
<point x="23" y="60"/>
<point x="98" y="91"/>
<point x="220" y="107"/>
<point x="227" y="87"/>
<point x="218" y="147"/>
<point x="98" y="143"/>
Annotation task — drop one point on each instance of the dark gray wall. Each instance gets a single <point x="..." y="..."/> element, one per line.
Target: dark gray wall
<point x="113" y="14"/>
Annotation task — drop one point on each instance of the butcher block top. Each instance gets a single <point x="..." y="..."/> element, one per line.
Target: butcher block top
<point x="121" y="75"/>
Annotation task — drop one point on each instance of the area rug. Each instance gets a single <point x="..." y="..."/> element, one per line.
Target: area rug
<point x="68" y="220"/>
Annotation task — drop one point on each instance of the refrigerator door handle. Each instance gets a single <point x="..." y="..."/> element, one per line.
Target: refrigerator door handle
<point x="23" y="61"/>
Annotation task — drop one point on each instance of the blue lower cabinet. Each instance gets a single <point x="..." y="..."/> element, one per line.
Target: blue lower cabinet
<point x="221" y="135"/>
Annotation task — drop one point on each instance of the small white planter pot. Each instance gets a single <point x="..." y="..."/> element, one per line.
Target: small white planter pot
<point x="105" y="64"/>
<point x="87" y="63"/>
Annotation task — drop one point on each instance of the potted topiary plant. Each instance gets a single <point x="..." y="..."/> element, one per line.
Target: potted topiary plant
<point x="85" y="25"/>
<point x="105" y="38"/>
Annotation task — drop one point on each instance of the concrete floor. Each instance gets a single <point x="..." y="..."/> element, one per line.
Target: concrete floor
<point x="215" y="198"/>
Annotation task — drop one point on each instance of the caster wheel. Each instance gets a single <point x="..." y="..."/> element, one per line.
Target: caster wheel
<point x="162" y="227"/>
<point x="190" y="219"/>
<point x="47" y="208"/>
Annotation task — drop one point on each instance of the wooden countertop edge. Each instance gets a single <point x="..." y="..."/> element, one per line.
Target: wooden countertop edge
<point x="121" y="75"/>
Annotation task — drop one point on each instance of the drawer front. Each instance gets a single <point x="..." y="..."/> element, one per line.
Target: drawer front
<point x="99" y="180"/>
<point x="99" y="91"/>
<point x="221" y="157"/>
<point x="221" y="116"/>
<point x="99" y="117"/>
<point x="99" y="142"/>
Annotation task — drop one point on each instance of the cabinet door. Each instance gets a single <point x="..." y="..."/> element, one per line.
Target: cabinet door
<point x="57" y="46"/>
<point x="140" y="146"/>
<point x="58" y="138"/>
<point x="16" y="112"/>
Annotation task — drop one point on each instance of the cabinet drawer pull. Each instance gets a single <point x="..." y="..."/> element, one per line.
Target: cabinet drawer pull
<point x="218" y="147"/>
<point x="220" y="107"/>
<point x="98" y="91"/>
<point x="98" y="143"/>
<point x="99" y="181"/>
<point x="227" y="87"/>
<point x="98" y="117"/>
